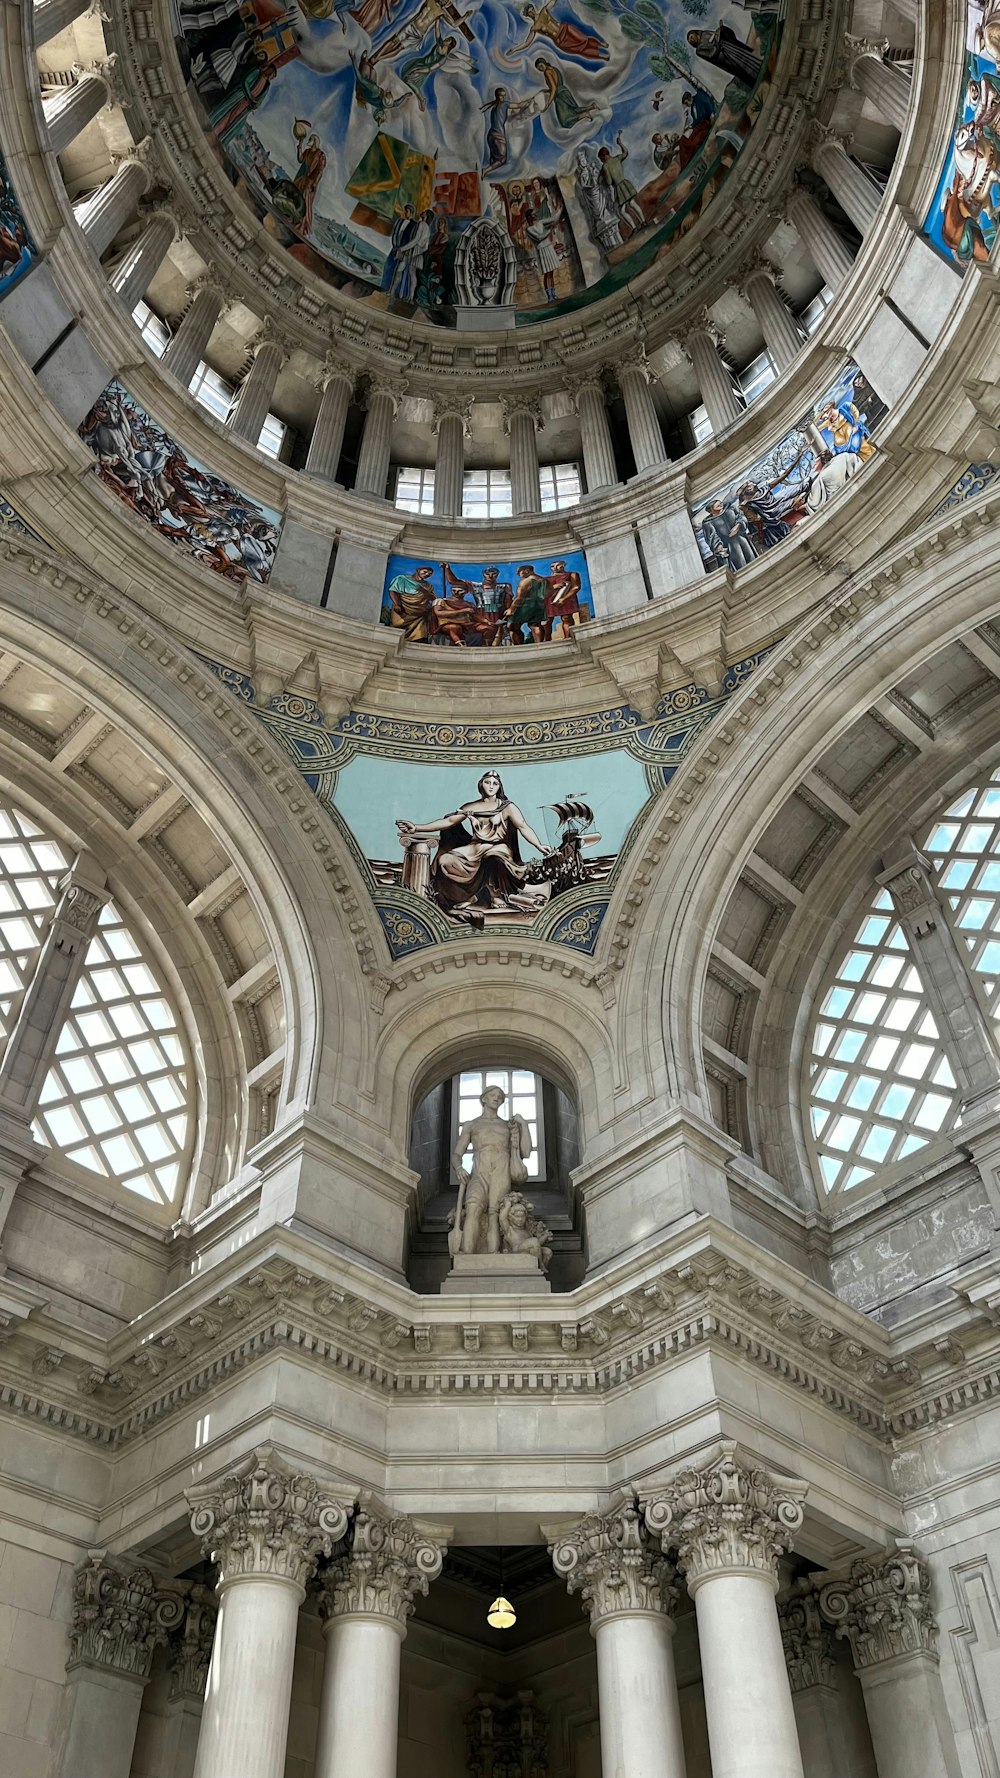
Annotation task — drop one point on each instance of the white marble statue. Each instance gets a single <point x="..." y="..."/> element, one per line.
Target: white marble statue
<point x="500" y="1147"/>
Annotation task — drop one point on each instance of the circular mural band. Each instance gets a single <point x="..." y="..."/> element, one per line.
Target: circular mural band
<point x="521" y="159"/>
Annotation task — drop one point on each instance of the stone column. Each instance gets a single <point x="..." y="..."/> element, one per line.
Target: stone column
<point x="829" y="253"/>
<point x="451" y="421"/>
<point x="629" y="1592"/>
<point x="595" y="433"/>
<point x="186" y="350"/>
<point x="812" y="1671"/>
<point x="644" y="429"/>
<point x="189" y="1652"/>
<point x="52" y="16"/>
<point x="885" y="84"/>
<point x="336" y="390"/>
<point x="132" y="278"/>
<point x="72" y="108"/>
<point x="730" y="1520"/>
<point x="367" y="1597"/>
<point x="522" y="418"/>
<point x="106" y="213"/>
<point x="884" y="1609"/>
<point x="715" y="380"/>
<point x="384" y="395"/>
<point x="265" y="1527"/>
<point x="783" y="336"/>
<point x="121" y="1610"/>
<point x="46" y="1000"/>
<point x="858" y="196"/>
<point x="253" y="403"/>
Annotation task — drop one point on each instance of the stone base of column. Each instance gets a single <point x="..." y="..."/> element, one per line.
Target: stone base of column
<point x="495" y="1274"/>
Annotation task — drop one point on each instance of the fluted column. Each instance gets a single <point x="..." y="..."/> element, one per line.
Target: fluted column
<point x="522" y="418"/>
<point x="628" y="1589"/>
<point x="105" y="214"/>
<point x="858" y="196"/>
<point x="730" y="1520"/>
<point x="368" y="1595"/>
<point x="885" y="84"/>
<point x="144" y="258"/>
<point x="327" y="441"/>
<point x="884" y="1609"/>
<point x="812" y="1675"/>
<point x="121" y="1612"/>
<point x="644" y="429"/>
<point x="451" y="422"/>
<point x="53" y="16"/>
<point x="186" y="350"/>
<point x="783" y="336"/>
<point x="595" y="433"/>
<point x="384" y="395"/>
<point x="265" y="1527"/>
<point x="253" y="403"/>
<point x="45" y="1003"/>
<point x="715" y="381"/>
<point x="72" y="108"/>
<point x="828" y="251"/>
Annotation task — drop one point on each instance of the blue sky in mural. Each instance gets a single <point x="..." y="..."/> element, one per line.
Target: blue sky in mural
<point x="961" y="221"/>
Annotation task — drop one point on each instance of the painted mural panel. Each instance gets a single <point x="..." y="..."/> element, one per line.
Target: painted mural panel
<point x="526" y="158"/>
<point x="17" y="249"/>
<point x="487" y="604"/>
<point x="804" y="471"/>
<point x="962" y="221"/>
<point x="176" y="493"/>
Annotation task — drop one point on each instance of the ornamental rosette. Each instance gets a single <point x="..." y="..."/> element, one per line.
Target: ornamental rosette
<point x="614" y="1565"/>
<point x="730" y="1516"/>
<point x="884" y="1608"/>
<point x="263" y="1519"/>
<point x="388" y="1564"/>
<point x="121" y="1610"/>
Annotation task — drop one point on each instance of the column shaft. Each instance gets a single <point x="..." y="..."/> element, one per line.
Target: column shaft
<point x="100" y="1719"/>
<point x="714" y="380"/>
<point x="526" y="495"/>
<point x="46" y="1000"/>
<point x="644" y="430"/>
<point x="106" y="213"/>
<point x="637" y="1689"/>
<point x="244" y="1727"/>
<point x="187" y="349"/>
<point x="830" y="254"/>
<point x="888" y="86"/>
<point x="327" y="440"/>
<point x="143" y="260"/>
<point x="376" y="444"/>
<point x="72" y="108"/>
<point x="751" y="1722"/>
<point x="782" y="334"/>
<point x="358" y="1711"/>
<point x="53" y="16"/>
<point x="858" y="196"/>
<point x="595" y="436"/>
<point x="908" y="1717"/>
<point x="257" y="391"/>
<point x="449" y="466"/>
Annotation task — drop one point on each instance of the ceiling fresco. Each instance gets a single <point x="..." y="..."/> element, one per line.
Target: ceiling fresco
<point x="486" y="164"/>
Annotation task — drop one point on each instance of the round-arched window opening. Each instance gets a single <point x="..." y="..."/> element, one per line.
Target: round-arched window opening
<point x="552" y="1121"/>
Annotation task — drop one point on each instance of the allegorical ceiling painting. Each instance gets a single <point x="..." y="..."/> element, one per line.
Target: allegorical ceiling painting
<point x="487" y="163"/>
<point x="962" y="221"/>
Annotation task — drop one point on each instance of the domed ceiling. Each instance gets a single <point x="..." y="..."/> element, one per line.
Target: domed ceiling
<point x="486" y="165"/>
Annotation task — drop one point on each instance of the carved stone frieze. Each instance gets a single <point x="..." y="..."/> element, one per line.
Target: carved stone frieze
<point x="731" y="1515"/>
<point x="884" y="1608"/>
<point x="121" y="1611"/>
<point x="388" y="1563"/>
<point x="806" y="1639"/>
<point x="189" y="1649"/>
<point x="263" y="1519"/>
<point x="614" y="1564"/>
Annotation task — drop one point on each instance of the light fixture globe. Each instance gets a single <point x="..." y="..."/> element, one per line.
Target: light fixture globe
<point x="501" y="1615"/>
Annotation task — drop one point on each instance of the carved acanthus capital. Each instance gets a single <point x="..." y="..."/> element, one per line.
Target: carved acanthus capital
<point x="806" y="1639"/>
<point x="860" y="49"/>
<point x="121" y="1611"/>
<point x="633" y="358"/>
<point x="267" y="335"/>
<point x="139" y="155"/>
<point x="756" y="265"/>
<point x="332" y="370"/>
<point x="912" y="890"/>
<point x="263" y="1519"/>
<point x="578" y="383"/>
<point x="615" y="1566"/>
<point x="703" y="323"/>
<point x="453" y="407"/>
<point x="389" y="1562"/>
<point x="189" y="1649"/>
<point x="822" y="138"/>
<point x="522" y="403"/>
<point x="732" y="1515"/>
<point x="884" y="1608"/>
<point x="384" y="383"/>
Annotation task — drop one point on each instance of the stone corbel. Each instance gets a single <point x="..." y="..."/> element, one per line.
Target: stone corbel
<point x="638" y="669"/>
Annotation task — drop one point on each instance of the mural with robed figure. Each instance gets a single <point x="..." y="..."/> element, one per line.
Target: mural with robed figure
<point x="17" y="249"/>
<point x="486" y="604"/>
<point x="962" y="220"/>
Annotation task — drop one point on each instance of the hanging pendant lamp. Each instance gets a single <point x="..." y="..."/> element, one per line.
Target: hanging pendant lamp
<point x="501" y="1615"/>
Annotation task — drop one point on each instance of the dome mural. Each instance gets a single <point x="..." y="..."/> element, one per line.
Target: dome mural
<point x="490" y="165"/>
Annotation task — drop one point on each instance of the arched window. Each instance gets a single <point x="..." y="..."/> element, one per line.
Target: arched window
<point x="880" y="1087"/>
<point x="117" y="1097"/>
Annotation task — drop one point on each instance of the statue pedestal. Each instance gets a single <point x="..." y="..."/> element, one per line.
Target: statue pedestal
<point x="495" y="1274"/>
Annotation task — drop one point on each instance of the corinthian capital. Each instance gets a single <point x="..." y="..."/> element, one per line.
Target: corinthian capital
<point x="190" y="1646"/>
<point x="884" y="1608"/>
<point x="121" y="1610"/>
<point x="731" y="1515"/>
<point x="520" y="402"/>
<point x="806" y="1639"/>
<point x="389" y="1563"/>
<point x="613" y="1563"/>
<point x="262" y="1519"/>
